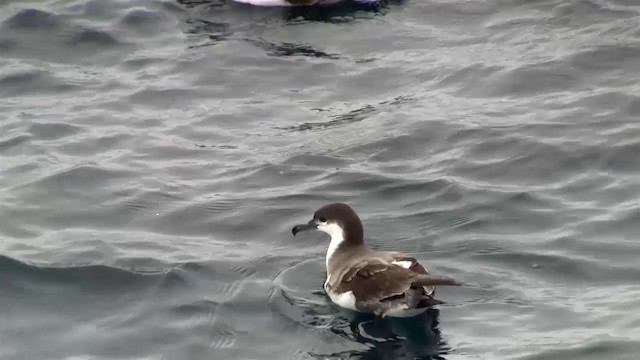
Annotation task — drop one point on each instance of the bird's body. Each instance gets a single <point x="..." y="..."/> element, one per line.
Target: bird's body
<point x="361" y="279"/>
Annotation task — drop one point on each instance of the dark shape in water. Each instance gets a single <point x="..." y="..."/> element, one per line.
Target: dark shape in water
<point x="394" y="338"/>
<point x="337" y="13"/>
<point x="31" y="18"/>
<point x="87" y="36"/>
<point x="291" y="49"/>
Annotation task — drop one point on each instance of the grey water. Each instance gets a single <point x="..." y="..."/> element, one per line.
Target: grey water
<point x="154" y="155"/>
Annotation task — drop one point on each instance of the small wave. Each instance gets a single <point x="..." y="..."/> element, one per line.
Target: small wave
<point x="74" y="179"/>
<point x="52" y="130"/>
<point x="611" y="348"/>
<point x="291" y="49"/>
<point x="140" y="17"/>
<point x="354" y="116"/>
<point x="32" y="19"/>
<point x="563" y="268"/>
<point x="7" y="144"/>
<point x="100" y="278"/>
<point x="606" y="58"/>
<point x="32" y="82"/>
<point x="89" y="36"/>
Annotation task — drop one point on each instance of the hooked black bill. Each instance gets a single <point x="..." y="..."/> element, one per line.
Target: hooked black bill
<point x="311" y="225"/>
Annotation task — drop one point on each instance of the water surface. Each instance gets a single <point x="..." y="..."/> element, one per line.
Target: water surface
<point x="155" y="154"/>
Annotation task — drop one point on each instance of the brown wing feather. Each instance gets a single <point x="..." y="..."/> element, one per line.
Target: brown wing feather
<point x="364" y="270"/>
<point x="417" y="268"/>
<point x="374" y="282"/>
<point x="424" y="278"/>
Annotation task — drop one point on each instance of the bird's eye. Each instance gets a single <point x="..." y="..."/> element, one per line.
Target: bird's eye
<point x="322" y="219"/>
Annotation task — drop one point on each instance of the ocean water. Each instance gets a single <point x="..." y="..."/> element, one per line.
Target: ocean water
<point x="154" y="155"/>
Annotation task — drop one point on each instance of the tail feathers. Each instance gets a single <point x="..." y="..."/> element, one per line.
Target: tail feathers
<point x="428" y="301"/>
<point x="416" y="298"/>
<point x="430" y="280"/>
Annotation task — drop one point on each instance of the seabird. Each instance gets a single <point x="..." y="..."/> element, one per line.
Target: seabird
<point x="384" y="283"/>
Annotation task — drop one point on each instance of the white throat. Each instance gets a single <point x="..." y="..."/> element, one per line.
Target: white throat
<point x="337" y="237"/>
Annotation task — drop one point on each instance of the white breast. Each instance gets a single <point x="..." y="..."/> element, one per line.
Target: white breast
<point x="337" y="237"/>
<point x="345" y="300"/>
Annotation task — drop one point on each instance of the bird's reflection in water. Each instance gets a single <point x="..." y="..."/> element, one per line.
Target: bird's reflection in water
<point x="220" y="20"/>
<point x="394" y="338"/>
<point x="344" y="11"/>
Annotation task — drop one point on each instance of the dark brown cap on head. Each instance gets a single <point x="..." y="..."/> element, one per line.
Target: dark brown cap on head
<point x="346" y="217"/>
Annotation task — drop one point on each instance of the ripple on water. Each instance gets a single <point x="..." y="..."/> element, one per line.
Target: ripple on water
<point x="94" y="37"/>
<point x="529" y="80"/>
<point x="40" y="35"/>
<point x="25" y="19"/>
<point x="147" y="22"/>
<point x="7" y="143"/>
<point x="140" y="17"/>
<point x="52" y="130"/>
<point x="177" y="307"/>
<point x="303" y="304"/>
<point x="75" y="179"/>
<point x="595" y="349"/>
<point x="169" y="146"/>
<point x="563" y="268"/>
<point x="32" y="82"/>
<point x="607" y="58"/>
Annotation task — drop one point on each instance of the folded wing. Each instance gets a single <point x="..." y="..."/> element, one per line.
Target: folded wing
<point x="379" y="283"/>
